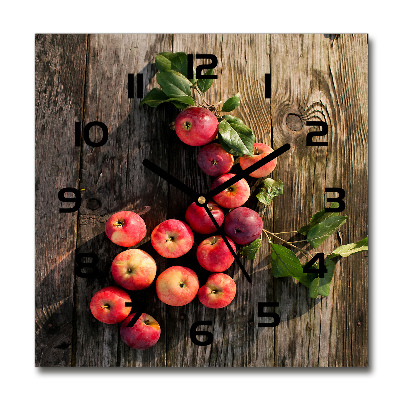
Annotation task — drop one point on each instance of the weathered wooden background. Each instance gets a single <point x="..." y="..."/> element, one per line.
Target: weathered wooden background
<point x="84" y="78"/>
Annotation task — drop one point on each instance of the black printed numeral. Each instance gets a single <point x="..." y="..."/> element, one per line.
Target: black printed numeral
<point x="321" y="271"/>
<point x="267" y="86"/>
<point x="139" y="86"/>
<point x="86" y="137"/>
<point x="262" y="313"/>
<point x="77" y="199"/>
<point x="194" y="333"/>
<point x="138" y="313"/>
<point x="341" y="194"/>
<point x="199" y="68"/>
<point x="323" y="132"/>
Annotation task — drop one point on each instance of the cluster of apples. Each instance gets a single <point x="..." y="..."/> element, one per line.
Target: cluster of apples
<point x="134" y="269"/>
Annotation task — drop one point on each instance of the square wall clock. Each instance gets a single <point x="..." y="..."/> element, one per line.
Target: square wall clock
<point x="201" y="200"/>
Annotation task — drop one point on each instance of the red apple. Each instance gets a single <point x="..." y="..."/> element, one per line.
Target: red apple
<point x="218" y="292"/>
<point x="214" y="255"/>
<point x="243" y="225"/>
<point x="133" y="269"/>
<point x="260" y="150"/>
<point x="196" y="126"/>
<point x="108" y="305"/>
<point x="125" y="228"/>
<point x="172" y="238"/>
<point x="198" y="219"/>
<point x="177" y="286"/>
<point x="214" y="160"/>
<point x="143" y="335"/>
<point x="235" y="195"/>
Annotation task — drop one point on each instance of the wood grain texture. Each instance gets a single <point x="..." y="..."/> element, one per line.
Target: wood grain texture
<point x="114" y="175"/>
<point x="59" y="72"/>
<point x="313" y="78"/>
<point x="305" y="82"/>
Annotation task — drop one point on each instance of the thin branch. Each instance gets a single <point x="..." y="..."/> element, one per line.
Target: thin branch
<point x="283" y="240"/>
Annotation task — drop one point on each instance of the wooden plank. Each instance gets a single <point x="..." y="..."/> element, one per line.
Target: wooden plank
<point x="114" y="177"/>
<point x="59" y="75"/>
<point x="237" y="340"/>
<point x="305" y="84"/>
<point x="349" y="65"/>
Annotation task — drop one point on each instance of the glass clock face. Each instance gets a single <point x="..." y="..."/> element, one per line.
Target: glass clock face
<point x="102" y="147"/>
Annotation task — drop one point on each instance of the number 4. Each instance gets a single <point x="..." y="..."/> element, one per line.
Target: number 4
<point x="321" y="271"/>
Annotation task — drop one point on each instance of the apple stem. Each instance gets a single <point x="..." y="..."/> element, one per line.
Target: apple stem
<point x="205" y="104"/>
<point x="213" y="240"/>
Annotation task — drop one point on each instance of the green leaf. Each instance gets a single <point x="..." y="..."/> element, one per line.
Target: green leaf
<point x="351" y="248"/>
<point x="173" y="84"/>
<point x="285" y="263"/>
<point x="193" y="80"/>
<point x="318" y="218"/>
<point x="251" y="249"/>
<point x="235" y="137"/>
<point x="321" y="286"/>
<point x="231" y="103"/>
<point x="205" y="84"/>
<point x="156" y="97"/>
<point x="172" y="62"/>
<point x="163" y="63"/>
<point x="182" y="102"/>
<point x="186" y="100"/>
<point x="269" y="190"/>
<point x="317" y="234"/>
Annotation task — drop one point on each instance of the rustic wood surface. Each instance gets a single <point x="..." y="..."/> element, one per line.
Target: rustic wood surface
<point x="84" y="78"/>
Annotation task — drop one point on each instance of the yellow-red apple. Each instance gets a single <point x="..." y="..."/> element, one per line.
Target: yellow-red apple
<point x="125" y="228"/>
<point x="133" y="269"/>
<point x="235" y="195"/>
<point x="172" y="238"/>
<point x="260" y="150"/>
<point x="143" y="334"/>
<point x="177" y="286"/>
<point x="214" y="255"/>
<point x="218" y="292"/>
<point x="108" y="305"/>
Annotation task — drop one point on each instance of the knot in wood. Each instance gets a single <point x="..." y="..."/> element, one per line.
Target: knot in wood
<point x="294" y="122"/>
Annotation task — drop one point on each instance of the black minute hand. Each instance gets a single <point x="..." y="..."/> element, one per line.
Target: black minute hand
<point x="246" y="172"/>
<point x="170" y="179"/>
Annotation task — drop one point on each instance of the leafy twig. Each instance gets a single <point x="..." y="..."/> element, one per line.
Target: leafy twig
<point x="288" y="243"/>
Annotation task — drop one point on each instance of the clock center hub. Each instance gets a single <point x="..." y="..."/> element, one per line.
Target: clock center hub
<point x="201" y="200"/>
